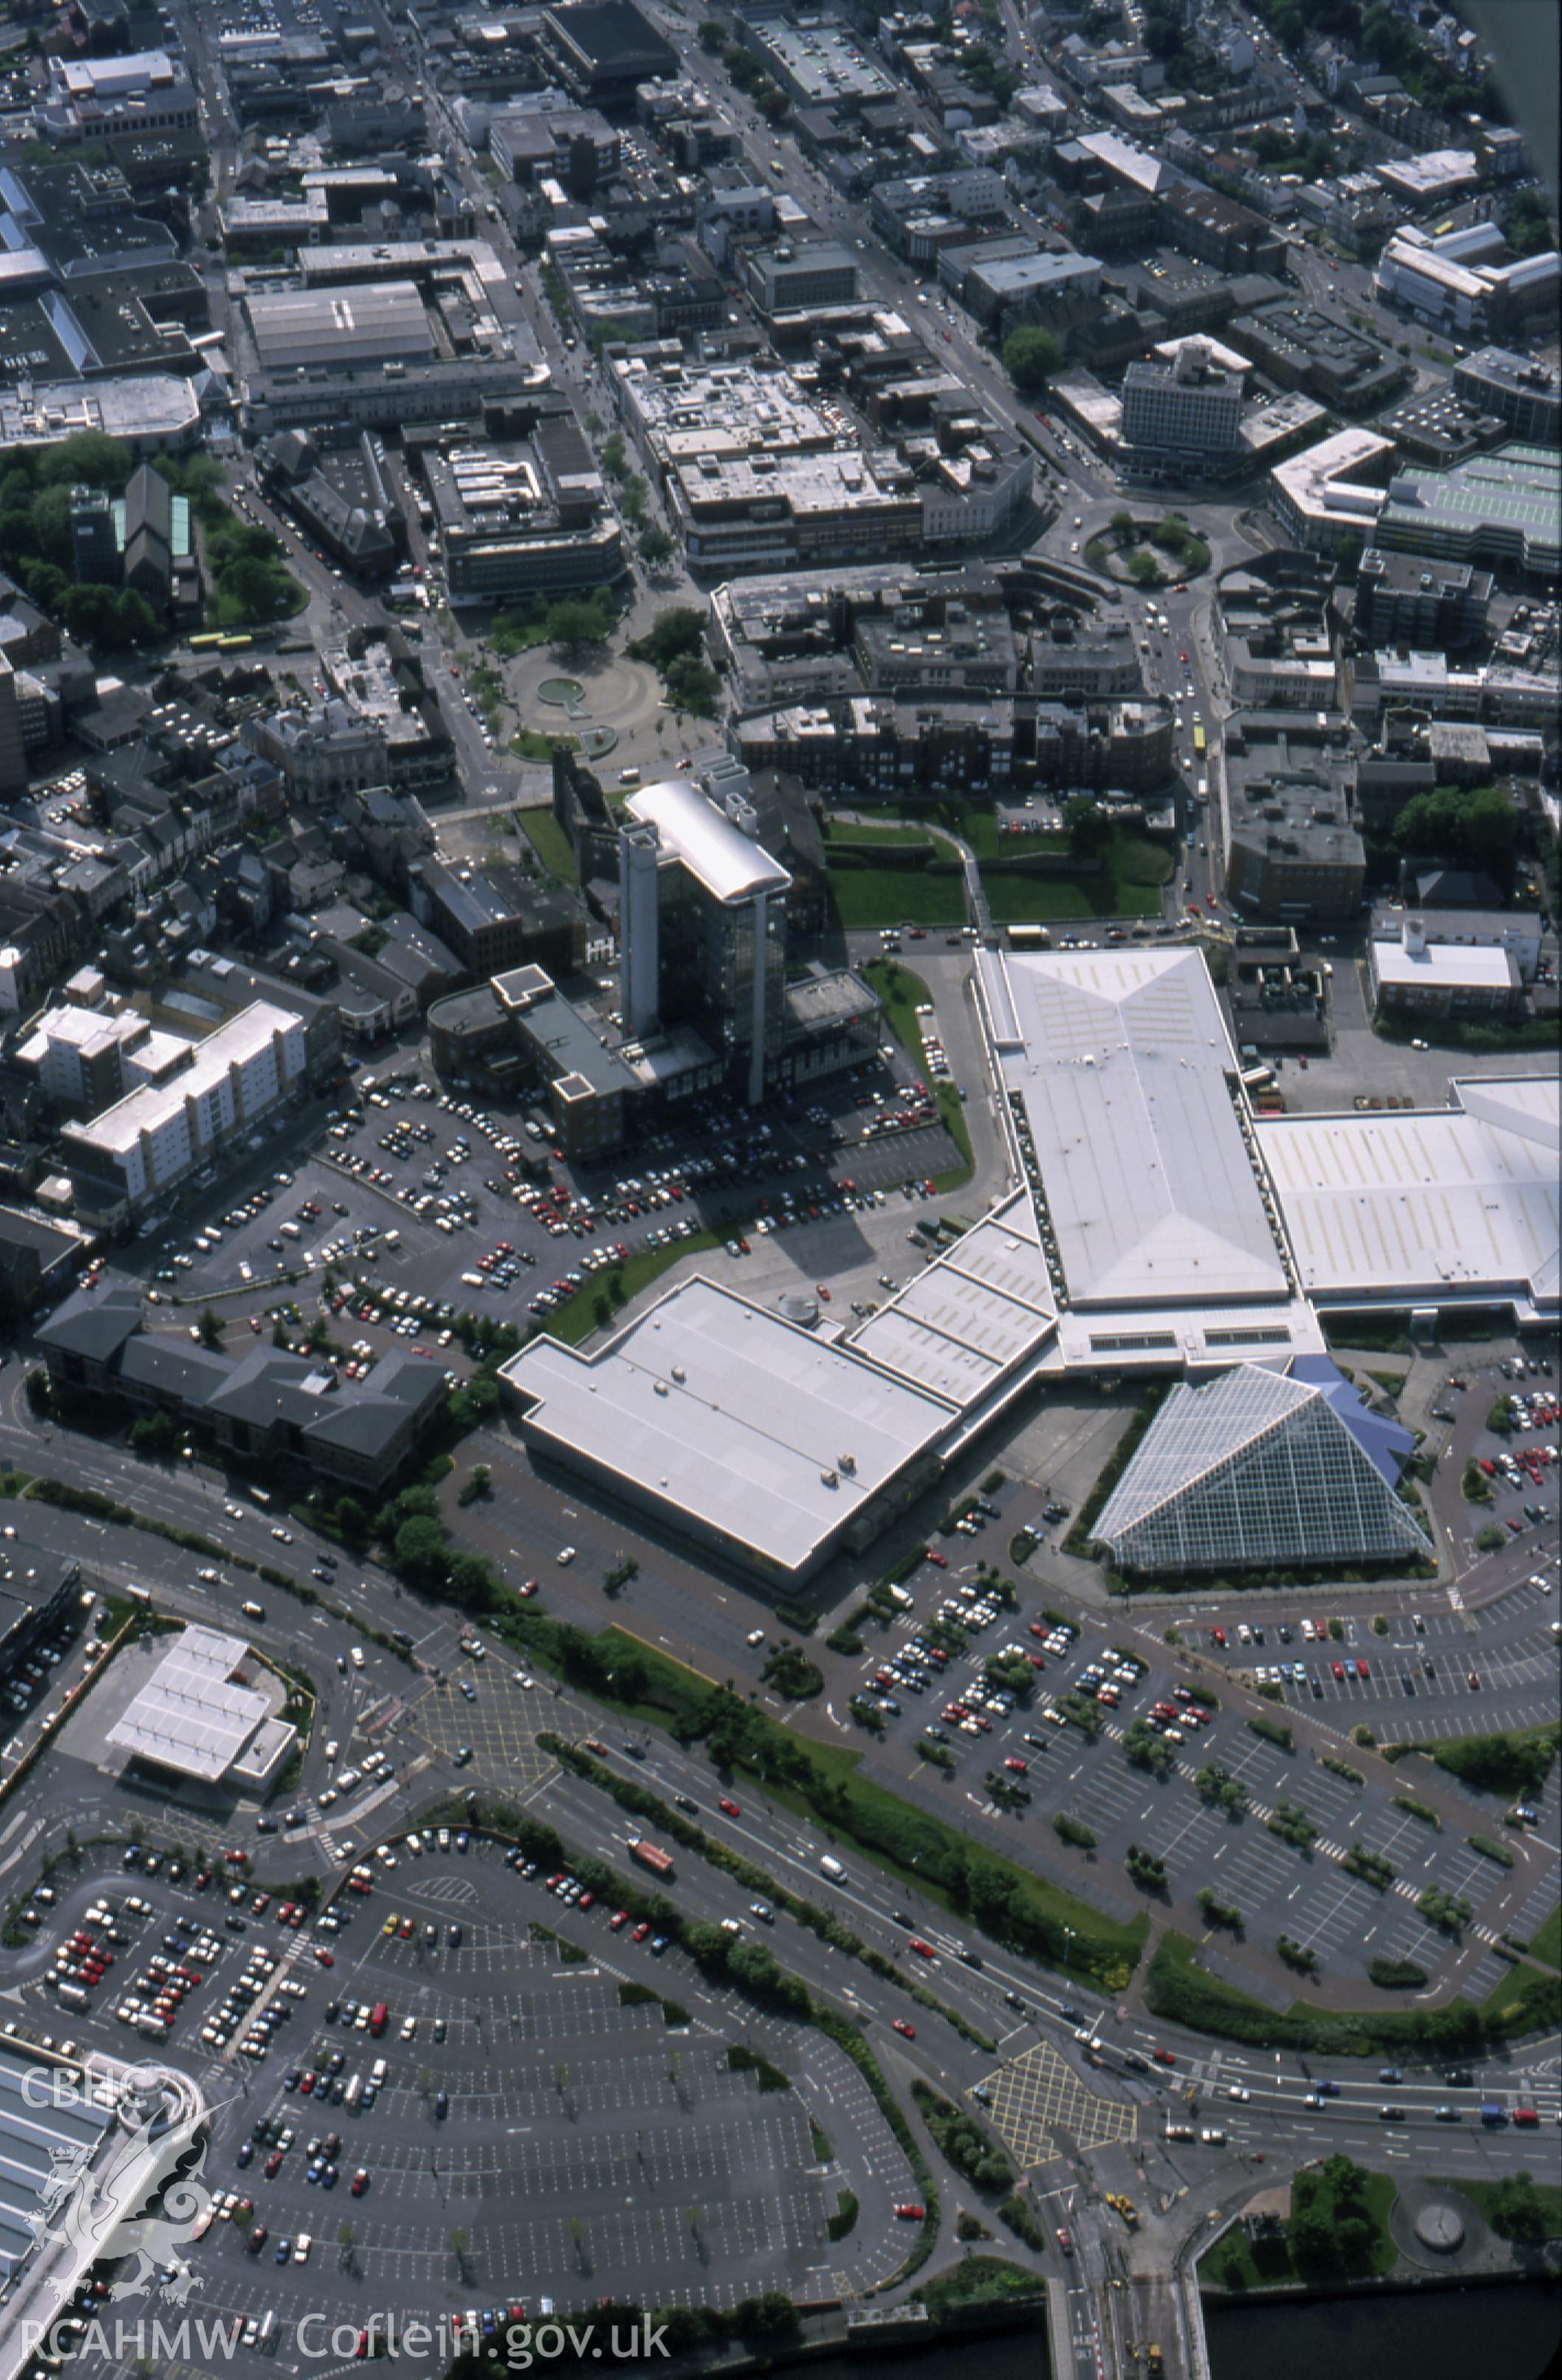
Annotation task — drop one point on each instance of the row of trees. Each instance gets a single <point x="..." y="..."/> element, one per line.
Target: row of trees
<point x="745" y="71"/>
<point x="989" y="1891"/>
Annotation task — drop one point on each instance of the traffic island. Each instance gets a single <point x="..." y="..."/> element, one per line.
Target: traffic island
<point x="1148" y="553"/>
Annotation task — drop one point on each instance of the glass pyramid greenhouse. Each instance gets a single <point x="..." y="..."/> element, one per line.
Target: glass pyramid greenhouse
<point x="1257" y="1468"/>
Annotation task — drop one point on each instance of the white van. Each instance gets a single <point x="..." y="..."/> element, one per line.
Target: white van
<point x="832" y="1869"/>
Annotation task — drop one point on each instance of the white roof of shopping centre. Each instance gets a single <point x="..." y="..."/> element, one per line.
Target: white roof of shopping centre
<point x="733" y="1416"/>
<point x="1127" y="1074"/>
<point x="959" y="1327"/>
<point x="1420" y="1205"/>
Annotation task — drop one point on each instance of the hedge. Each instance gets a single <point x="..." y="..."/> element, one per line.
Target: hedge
<point x="846" y="2038"/>
<point x="1071" y="1830"/>
<point x="1177" y="1988"/>
<point x="1015" y="2212"/>
<point x="979" y="2280"/>
<point x="1395" y="1974"/>
<point x="962" y="2141"/>
<point x="1516" y="1762"/>
<point x="742" y="2060"/>
<point x="1079" y="1537"/>
<point x="843" y="2219"/>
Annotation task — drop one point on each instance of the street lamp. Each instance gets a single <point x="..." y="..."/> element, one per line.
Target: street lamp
<point x="1067" y="1946"/>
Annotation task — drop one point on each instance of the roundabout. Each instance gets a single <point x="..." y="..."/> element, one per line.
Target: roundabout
<point x="1147" y="554"/>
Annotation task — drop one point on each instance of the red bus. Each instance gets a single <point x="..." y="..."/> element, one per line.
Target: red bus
<point x="377" y="2017"/>
<point x="649" y="1855"/>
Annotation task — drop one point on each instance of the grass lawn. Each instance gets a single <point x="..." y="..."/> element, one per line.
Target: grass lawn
<point x="902" y="990"/>
<point x="1128" y="885"/>
<point x="975" y="822"/>
<point x="1043" y="900"/>
<point x="531" y="743"/>
<point x="232" y="618"/>
<point x="577" y="1317"/>
<point x="1547" y="1943"/>
<point x="550" y="842"/>
<point x="1231" y="2264"/>
<point x="1505" y="1990"/>
<point x="863" y="897"/>
<point x="848" y="830"/>
<point x="1479" y="2193"/>
<point x="978" y="825"/>
<point x="509" y="641"/>
<point x="868" y="896"/>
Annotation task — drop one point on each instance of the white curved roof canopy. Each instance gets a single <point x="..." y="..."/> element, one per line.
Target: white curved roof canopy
<point x="727" y="862"/>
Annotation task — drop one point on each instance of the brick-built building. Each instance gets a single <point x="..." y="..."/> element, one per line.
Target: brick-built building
<point x="794" y="275"/>
<point x="1410" y="969"/>
<point x="196" y="1102"/>
<point x="522" y="517"/>
<point x="1294" y="851"/>
<point x="264" y="1407"/>
<point x="499" y="917"/>
<point x="520" y="1034"/>
<point x="1272" y="628"/>
<point x="1413" y="598"/>
<point x="1298" y="347"/>
<point x="1222" y="232"/>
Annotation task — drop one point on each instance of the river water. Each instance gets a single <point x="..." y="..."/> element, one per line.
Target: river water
<point x="1509" y="2332"/>
<point x="1512" y="2332"/>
